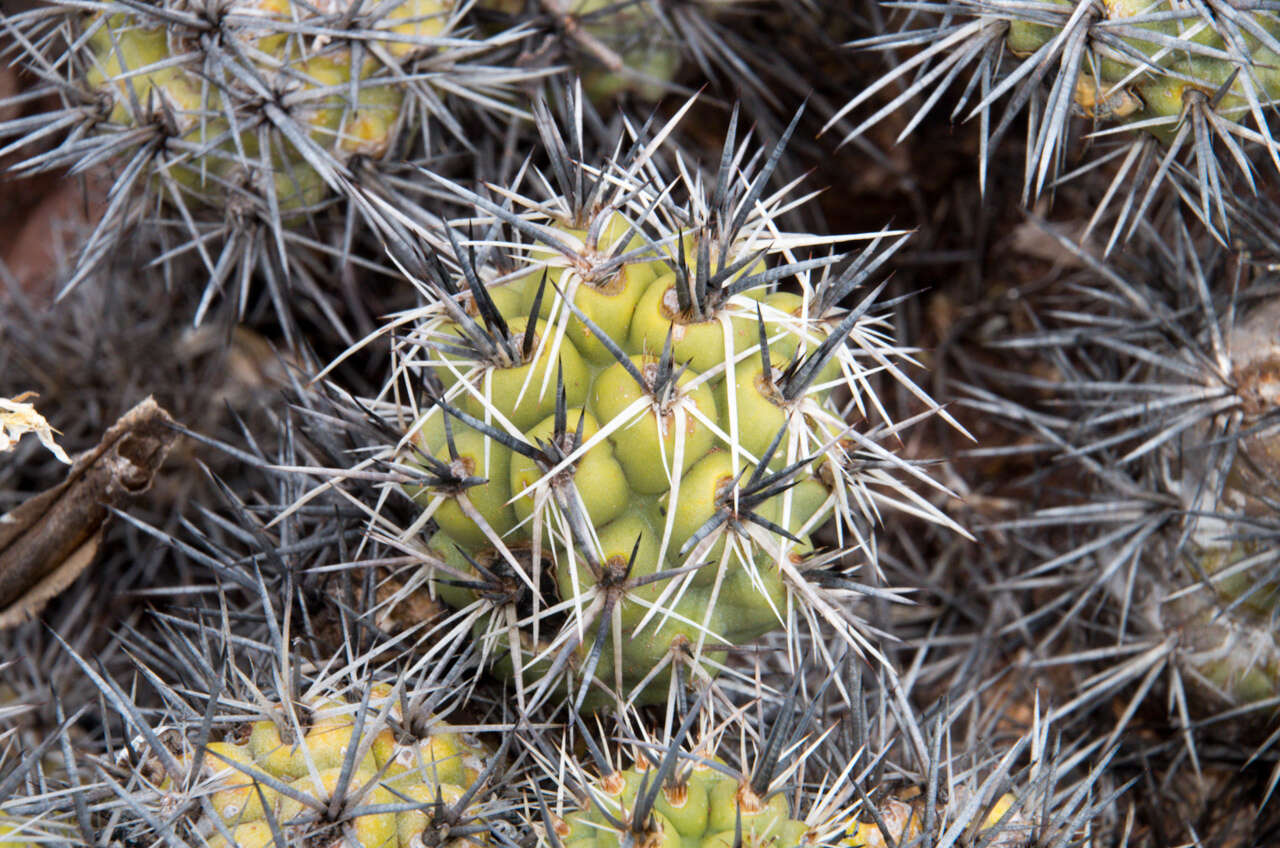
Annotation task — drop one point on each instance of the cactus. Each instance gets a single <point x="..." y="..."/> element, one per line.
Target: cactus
<point x="1233" y="559"/>
<point x="1160" y="57"/>
<point x="33" y="781"/>
<point x="625" y="450"/>
<point x="28" y="832"/>
<point x="793" y="779"/>
<point x="682" y="791"/>
<point x="645" y="49"/>
<point x="703" y="806"/>
<point x="249" y="757"/>
<point x="265" y="790"/>
<point x="144" y="72"/>
<point x="241" y="121"/>
<point x="1188" y="82"/>
<point x="1004" y="826"/>
<point x="620" y="46"/>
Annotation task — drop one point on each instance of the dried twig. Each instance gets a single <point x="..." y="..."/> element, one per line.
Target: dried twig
<point x="47" y="541"/>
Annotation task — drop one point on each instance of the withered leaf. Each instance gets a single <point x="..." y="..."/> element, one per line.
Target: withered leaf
<point x="17" y="417"/>
<point x="46" y="542"/>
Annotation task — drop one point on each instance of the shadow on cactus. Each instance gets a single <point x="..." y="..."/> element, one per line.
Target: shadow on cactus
<point x="623" y="453"/>
<point x="1164" y="412"/>
<point x="645" y="48"/>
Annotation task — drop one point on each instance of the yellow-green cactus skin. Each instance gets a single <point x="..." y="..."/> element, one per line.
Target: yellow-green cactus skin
<point x="654" y="446"/>
<point x="52" y="827"/>
<point x="223" y="140"/>
<point x="389" y="771"/>
<point x="703" y="808"/>
<point x="1148" y="79"/>
<point x="17" y="835"/>
<point x="903" y="823"/>
<point x="899" y="819"/>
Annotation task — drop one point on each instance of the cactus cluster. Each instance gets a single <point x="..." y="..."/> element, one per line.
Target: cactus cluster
<point x="282" y="778"/>
<point x="259" y="136"/>
<point x="143" y="73"/>
<point x="557" y="464"/>
<point x="675" y="802"/>
<point x="342" y="754"/>
<point x="234" y="130"/>
<point x="1160" y="57"/>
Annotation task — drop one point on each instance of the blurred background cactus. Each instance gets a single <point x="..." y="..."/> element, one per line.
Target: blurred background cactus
<point x="656" y="422"/>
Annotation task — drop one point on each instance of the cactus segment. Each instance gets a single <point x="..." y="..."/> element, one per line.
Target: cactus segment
<point x="623" y="454"/>
<point x="672" y="798"/>
<point x="590" y="486"/>
<point x="1162" y="56"/>
<point x="634" y="48"/>
<point x="242" y="124"/>
<point x="224" y="138"/>
<point x="1177" y="434"/>
<point x="704" y="807"/>
<point x="1184" y="90"/>
<point x="275" y="776"/>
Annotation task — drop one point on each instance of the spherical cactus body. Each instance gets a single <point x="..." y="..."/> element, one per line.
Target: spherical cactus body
<point x="652" y="447"/>
<point x="291" y="100"/>
<point x="630" y="445"/>
<point x="319" y="778"/>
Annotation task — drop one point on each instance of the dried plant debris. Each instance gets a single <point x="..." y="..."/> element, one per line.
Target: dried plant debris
<point x="18" y="417"/>
<point x="105" y="347"/>
<point x="46" y="542"/>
